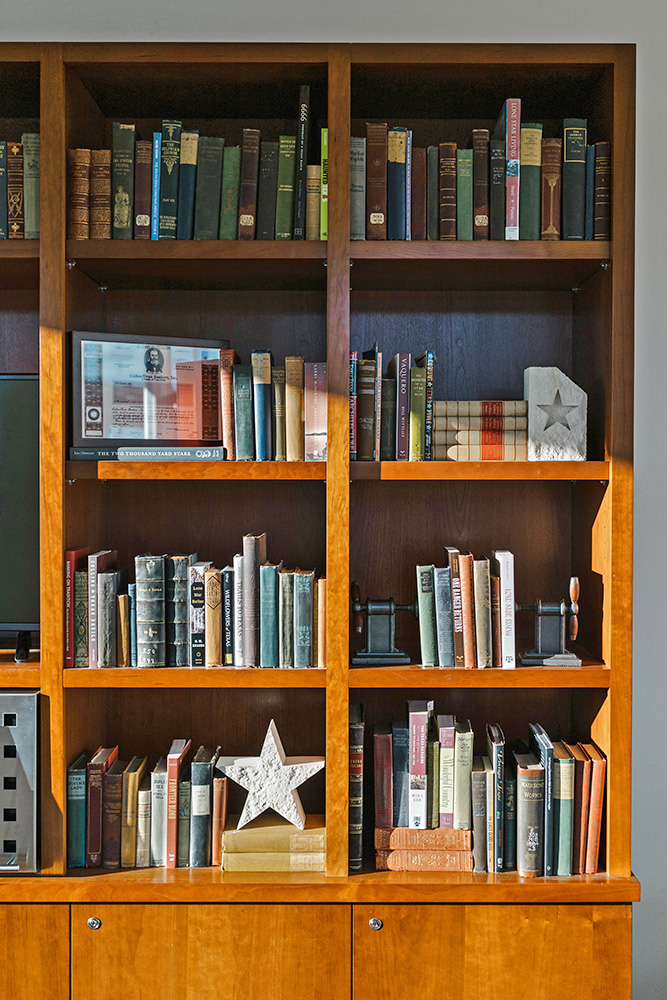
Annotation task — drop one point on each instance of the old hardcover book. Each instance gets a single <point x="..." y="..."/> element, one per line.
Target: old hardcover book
<point x="244" y="423"/>
<point x="432" y="775"/>
<point x="496" y="623"/>
<point x="158" y="831"/>
<point x="177" y="608"/>
<point x="3" y="192"/>
<point x="324" y="184"/>
<point x="406" y="839"/>
<point x="76" y="811"/>
<point x="123" y="629"/>
<point x="301" y="162"/>
<point x="552" y="174"/>
<point x="285" y="190"/>
<point x="260" y="363"/>
<point x="175" y="759"/>
<point x="400" y="753"/>
<point x="468" y="610"/>
<point x="143" y="180"/>
<point x="417" y="414"/>
<point x="254" y="556"/>
<point x="150" y="578"/>
<point x="503" y="568"/>
<point x="596" y="803"/>
<point x="508" y="129"/>
<point x="376" y="181"/>
<point x="248" y="184"/>
<point x="315" y="411"/>
<point x="271" y="834"/>
<point x="100" y="194"/>
<point x="574" y="178"/>
<point x="80" y="600"/>
<point x="495" y="748"/>
<point x="155" y="185"/>
<point x="143" y="854"/>
<point x="112" y="795"/>
<point x="530" y="188"/>
<point x="187" y="177"/>
<point x="15" y="201"/>
<point x="366" y="383"/>
<point x="133" y="776"/>
<point x="278" y="421"/>
<point x="529" y="815"/>
<point x="229" y="196"/>
<point x="383" y="777"/>
<point x="78" y="193"/>
<point x="228" y="616"/>
<point x="463" y="747"/>
<point x="122" y="180"/>
<point x="396" y="206"/>
<point x="286" y="618"/>
<point x="424" y="861"/>
<point x="515" y="452"/>
<point x="208" y="188"/>
<point x="294" y="416"/>
<point x="447" y="188"/>
<point x="228" y="358"/>
<point x="479" y="142"/>
<point x="275" y="862"/>
<point x="496" y="189"/>
<point x="602" y="192"/>
<point x="213" y="618"/>
<point x="269" y="574"/>
<point x="427" y="616"/>
<point x="202" y="767"/>
<point x="169" y="173"/>
<point x="563" y="809"/>
<point x="433" y="192"/>
<point x="238" y="609"/>
<point x="589" y="195"/>
<point x="313" y="201"/>
<point x="542" y="747"/>
<point x="442" y="588"/>
<point x="183" y="831"/>
<point x="267" y="186"/>
<point x="482" y="604"/>
<point x="427" y="360"/>
<point x="509" y="825"/>
<point x="352" y="412"/>
<point x="581" y="804"/>
<point x="218" y="815"/>
<point x="321" y="605"/>
<point x="501" y="425"/>
<point x="356" y="786"/>
<point x="98" y="562"/>
<point x="418" y="194"/>
<point x="408" y="185"/>
<point x="358" y="188"/>
<point x="418" y="721"/>
<point x="480" y="408"/>
<point x="95" y="770"/>
<point x="399" y="369"/>
<point x="388" y="421"/>
<point x="457" y="611"/>
<point x="304" y="592"/>
<point x="75" y="560"/>
<point x="478" y="803"/>
<point x="197" y="605"/>
<point x="464" y="202"/>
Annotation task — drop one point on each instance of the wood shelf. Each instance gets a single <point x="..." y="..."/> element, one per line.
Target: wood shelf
<point x="212" y="470"/>
<point x="539" y="471"/>
<point x="182" y="677"/>
<point x="593" y="675"/>
<point x="19" y="675"/>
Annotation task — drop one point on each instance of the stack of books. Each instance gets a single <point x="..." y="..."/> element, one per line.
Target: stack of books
<point x="19" y="188"/>
<point x="400" y="849"/>
<point x="480" y="430"/>
<point x="270" y="843"/>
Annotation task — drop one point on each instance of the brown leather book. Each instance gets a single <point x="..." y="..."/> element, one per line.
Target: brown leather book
<point x="15" y="206"/>
<point x="143" y="179"/>
<point x="228" y="358"/>
<point x="95" y="770"/>
<point x="447" y="190"/>
<point x="365" y="410"/>
<point x="100" y="194"/>
<point x="602" y="192"/>
<point x="376" y="181"/>
<point x="213" y="617"/>
<point x="78" y="194"/>
<point x="598" y="770"/>
<point x="248" y="188"/>
<point x="496" y="623"/>
<point x="423" y="861"/>
<point x="112" y="795"/>
<point x="552" y="175"/>
<point x="404" y="838"/>
<point x="480" y="183"/>
<point x="418" y="193"/>
<point x="582" y="793"/>
<point x="468" y="611"/>
<point x="218" y="818"/>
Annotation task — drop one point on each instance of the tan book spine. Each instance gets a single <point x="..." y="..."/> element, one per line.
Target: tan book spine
<point x="482" y="603"/>
<point x="442" y="423"/>
<point x="266" y="834"/>
<point x="132" y="779"/>
<point x="596" y="802"/>
<point x="313" y="182"/>
<point x="218" y="818"/>
<point x="496" y="623"/>
<point x="479" y="437"/>
<point x="228" y="358"/>
<point x="100" y="194"/>
<point x="213" y="617"/>
<point x="274" y="862"/>
<point x="404" y="838"/>
<point x="122" y="630"/>
<point x="322" y="622"/>
<point x="294" y="420"/>
<point x="424" y="861"/>
<point x="480" y="408"/>
<point x="78" y="194"/>
<point x="480" y="453"/>
<point x="467" y="611"/>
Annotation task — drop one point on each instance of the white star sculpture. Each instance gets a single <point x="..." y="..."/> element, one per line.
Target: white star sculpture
<point x="271" y="779"/>
<point x="556" y="412"/>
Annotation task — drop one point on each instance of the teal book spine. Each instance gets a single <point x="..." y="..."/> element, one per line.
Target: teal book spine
<point x="427" y="630"/>
<point x="208" y="188"/>
<point x="187" y="179"/>
<point x="590" y="194"/>
<point x="76" y="812"/>
<point x="530" y="189"/>
<point x="3" y="191"/>
<point x="563" y="814"/>
<point x="228" y="616"/>
<point x="261" y="363"/>
<point x="574" y="178"/>
<point x="122" y="180"/>
<point x="31" y="169"/>
<point x="464" y="194"/>
<point x="132" y="594"/>
<point x="286" y="618"/>
<point x="303" y="618"/>
<point x="229" y="197"/>
<point x="433" y="193"/>
<point x="155" y="185"/>
<point x="243" y="413"/>
<point x="542" y="747"/>
<point x="396" y="192"/>
<point x="201" y="774"/>
<point x="170" y="158"/>
<point x="268" y="615"/>
<point x="509" y="847"/>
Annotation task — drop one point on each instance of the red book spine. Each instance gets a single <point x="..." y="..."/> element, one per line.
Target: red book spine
<point x="602" y="192"/>
<point x="512" y="147"/>
<point x="447" y="190"/>
<point x="94" y="778"/>
<point x="15" y="206"/>
<point x="383" y="773"/>
<point x="598" y="770"/>
<point x="418" y="194"/>
<point x="354" y="357"/>
<point x="74" y="559"/>
<point x="174" y="763"/>
<point x="480" y="183"/>
<point x="467" y="611"/>
<point x="218" y="818"/>
<point x="143" y="179"/>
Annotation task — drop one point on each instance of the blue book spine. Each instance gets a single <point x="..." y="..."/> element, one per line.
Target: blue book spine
<point x="400" y="752"/>
<point x="3" y="191"/>
<point x="303" y="618"/>
<point x="396" y="173"/>
<point x="590" y="192"/>
<point x="268" y="615"/>
<point x="243" y="418"/>
<point x="261" y="362"/>
<point x="76" y="818"/>
<point x="132" y="594"/>
<point x="200" y="813"/>
<point x="187" y="178"/>
<point x="155" y="191"/>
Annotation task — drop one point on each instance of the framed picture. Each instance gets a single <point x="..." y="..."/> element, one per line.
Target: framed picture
<point x="128" y="389"/>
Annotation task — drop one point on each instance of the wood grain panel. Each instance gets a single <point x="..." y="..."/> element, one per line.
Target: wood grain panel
<point x="208" y="952"/>
<point x="36" y="954"/>
<point x="531" y="953"/>
<point x="19" y="330"/>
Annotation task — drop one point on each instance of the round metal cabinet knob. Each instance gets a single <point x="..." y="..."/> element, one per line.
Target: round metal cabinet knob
<point x="94" y="923"/>
<point x="375" y="923"/>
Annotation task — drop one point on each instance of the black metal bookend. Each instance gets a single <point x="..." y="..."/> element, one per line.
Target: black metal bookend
<point x="551" y="631"/>
<point x="379" y="619"/>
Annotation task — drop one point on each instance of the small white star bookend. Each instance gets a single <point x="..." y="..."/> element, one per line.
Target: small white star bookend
<point x="557" y="411"/>
<point x="271" y="780"/>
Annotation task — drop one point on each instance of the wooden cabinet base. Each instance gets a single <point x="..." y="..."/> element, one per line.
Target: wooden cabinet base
<point x="35" y="961"/>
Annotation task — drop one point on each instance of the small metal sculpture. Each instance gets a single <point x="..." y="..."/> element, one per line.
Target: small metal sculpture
<point x="551" y="626"/>
<point x="380" y="648"/>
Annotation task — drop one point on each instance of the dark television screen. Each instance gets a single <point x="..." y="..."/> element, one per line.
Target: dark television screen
<point x="19" y="502"/>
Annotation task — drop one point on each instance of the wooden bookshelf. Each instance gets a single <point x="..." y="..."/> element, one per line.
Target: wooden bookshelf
<point x="489" y="310"/>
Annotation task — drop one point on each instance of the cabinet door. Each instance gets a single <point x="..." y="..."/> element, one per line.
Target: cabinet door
<point x="35" y="961"/>
<point x="205" y="952"/>
<point x="522" y="952"/>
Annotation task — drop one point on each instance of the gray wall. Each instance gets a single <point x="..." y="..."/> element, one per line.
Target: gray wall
<point x="644" y="23"/>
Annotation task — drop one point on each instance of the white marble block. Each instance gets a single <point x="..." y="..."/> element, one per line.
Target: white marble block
<point x="557" y="410"/>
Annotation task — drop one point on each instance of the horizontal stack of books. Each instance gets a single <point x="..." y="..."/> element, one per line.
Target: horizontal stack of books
<point x="270" y="843"/>
<point x="511" y="182"/>
<point x="19" y="188"/>
<point x="534" y="807"/>
<point x="480" y="430"/>
<point x="467" y="611"/>
<point x="184" y="612"/>
<point x="179" y="185"/>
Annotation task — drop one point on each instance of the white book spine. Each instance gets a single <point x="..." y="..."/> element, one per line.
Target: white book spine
<point x="238" y="610"/>
<point x="417" y="792"/>
<point x="462" y="781"/>
<point x="503" y="562"/>
<point x="159" y="820"/>
<point x="143" y="828"/>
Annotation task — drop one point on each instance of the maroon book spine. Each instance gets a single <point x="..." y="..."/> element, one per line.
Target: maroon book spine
<point x="447" y="190"/>
<point x="15" y="206"/>
<point x="602" y="192"/>
<point x="74" y="559"/>
<point x="418" y="193"/>
<point x="376" y="181"/>
<point x="480" y="183"/>
<point x="112" y="796"/>
<point x="383" y="774"/>
<point x="78" y="194"/>
<point x="94" y="775"/>
<point x="552" y="176"/>
<point x="143" y="178"/>
<point x="248" y="188"/>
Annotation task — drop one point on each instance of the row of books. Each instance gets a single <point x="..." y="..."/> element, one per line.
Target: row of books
<point x="19" y="188"/>
<point x="534" y="807"/>
<point x="467" y="611"/>
<point x="180" y="185"/>
<point x="184" y="612"/>
<point x="255" y="412"/>
<point x="511" y="183"/>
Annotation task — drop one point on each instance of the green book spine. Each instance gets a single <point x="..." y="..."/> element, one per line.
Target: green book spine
<point x="427" y="630"/>
<point x="530" y="166"/>
<point x="31" y="158"/>
<point x="266" y="190"/>
<point x="433" y="782"/>
<point x="574" y="178"/>
<point x="80" y="618"/>
<point x="209" y="188"/>
<point x="417" y="414"/>
<point x="286" y="618"/>
<point x="122" y="180"/>
<point x="285" y="193"/>
<point x="268" y="615"/>
<point x="243" y="414"/>
<point x="324" y="185"/>
<point x="464" y="194"/>
<point x="303" y="618"/>
<point x="388" y="421"/>
<point x="509" y="849"/>
<point x="563" y="814"/>
<point x="76" y="812"/>
<point x="229" y="200"/>
<point x="184" y="800"/>
<point x="169" y="173"/>
<point x="433" y="193"/>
